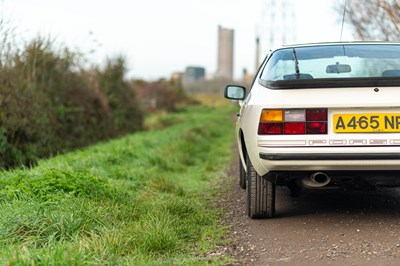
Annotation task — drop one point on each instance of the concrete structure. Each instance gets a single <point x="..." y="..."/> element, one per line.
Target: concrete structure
<point x="191" y="77"/>
<point x="225" y="53"/>
<point x="257" y="61"/>
<point x="193" y="74"/>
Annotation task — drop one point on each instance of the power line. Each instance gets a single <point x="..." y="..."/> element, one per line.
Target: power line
<point x="277" y="23"/>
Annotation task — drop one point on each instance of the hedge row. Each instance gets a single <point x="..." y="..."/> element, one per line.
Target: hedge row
<point x="49" y="103"/>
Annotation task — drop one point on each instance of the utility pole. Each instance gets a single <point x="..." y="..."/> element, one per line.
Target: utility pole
<point x="278" y="23"/>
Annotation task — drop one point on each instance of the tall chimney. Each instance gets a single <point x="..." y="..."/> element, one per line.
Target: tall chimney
<point x="225" y="53"/>
<point x="257" y="55"/>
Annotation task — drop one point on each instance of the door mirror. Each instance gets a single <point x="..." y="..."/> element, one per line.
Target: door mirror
<point x="235" y="92"/>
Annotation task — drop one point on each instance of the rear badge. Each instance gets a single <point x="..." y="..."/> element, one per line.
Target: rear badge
<point x="376" y="90"/>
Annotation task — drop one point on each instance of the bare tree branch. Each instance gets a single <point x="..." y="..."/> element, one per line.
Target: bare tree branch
<point x="374" y="19"/>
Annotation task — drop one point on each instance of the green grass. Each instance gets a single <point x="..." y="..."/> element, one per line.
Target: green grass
<point x="140" y="200"/>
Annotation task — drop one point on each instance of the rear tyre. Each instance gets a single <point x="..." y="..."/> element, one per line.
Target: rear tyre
<point x="260" y="194"/>
<point x="242" y="175"/>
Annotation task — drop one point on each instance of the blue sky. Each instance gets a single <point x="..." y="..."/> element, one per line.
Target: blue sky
<point x="159" y="37"/>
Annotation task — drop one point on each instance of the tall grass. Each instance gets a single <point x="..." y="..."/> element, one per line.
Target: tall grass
<point x="139" y="200"/>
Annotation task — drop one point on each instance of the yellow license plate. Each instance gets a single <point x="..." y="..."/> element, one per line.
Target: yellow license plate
<point x="366" y="123"/>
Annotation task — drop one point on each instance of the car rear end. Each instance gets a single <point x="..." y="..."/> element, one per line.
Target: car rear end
<point x="319" y="116"/>
<point x="341" y="129"/>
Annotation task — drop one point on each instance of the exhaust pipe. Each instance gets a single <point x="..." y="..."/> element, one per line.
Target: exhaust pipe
<point x="316" y="180"/>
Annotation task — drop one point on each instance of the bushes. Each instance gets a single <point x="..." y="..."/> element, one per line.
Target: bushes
<point x="160" y="95"/>
<point x="122" y="104"/>
<point x="50" y="104"/>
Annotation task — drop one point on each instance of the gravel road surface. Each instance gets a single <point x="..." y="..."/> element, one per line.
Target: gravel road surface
<point x="317" y="228"/>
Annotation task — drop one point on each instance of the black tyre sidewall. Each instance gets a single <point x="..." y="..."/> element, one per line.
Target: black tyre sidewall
<point x="242" y="175"/>
<point x="260" y="194"/>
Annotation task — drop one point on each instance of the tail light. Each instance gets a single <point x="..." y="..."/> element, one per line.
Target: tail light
<point x="293" y="121"/>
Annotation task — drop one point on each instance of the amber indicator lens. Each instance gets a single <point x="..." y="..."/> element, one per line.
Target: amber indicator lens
<point x="271" y="116"/>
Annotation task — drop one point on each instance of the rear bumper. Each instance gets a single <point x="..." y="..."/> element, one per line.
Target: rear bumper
<point x="326" y="159"/>
<point x="328" y="156"/>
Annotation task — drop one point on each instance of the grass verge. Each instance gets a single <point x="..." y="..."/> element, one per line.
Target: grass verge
<point x="139" y="200"/>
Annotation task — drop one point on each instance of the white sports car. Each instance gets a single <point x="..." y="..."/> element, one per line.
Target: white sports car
<point x="319" y="116"/>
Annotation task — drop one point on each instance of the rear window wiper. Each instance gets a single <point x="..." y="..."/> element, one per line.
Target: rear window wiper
<point x="296" y="64"/>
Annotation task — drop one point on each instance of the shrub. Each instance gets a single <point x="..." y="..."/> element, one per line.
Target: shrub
<point x="50" y="104"/>
<point x="125" y="114"/>
<point x="159" y="96"/>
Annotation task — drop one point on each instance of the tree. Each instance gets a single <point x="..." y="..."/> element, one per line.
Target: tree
<point x="374" y="19"/>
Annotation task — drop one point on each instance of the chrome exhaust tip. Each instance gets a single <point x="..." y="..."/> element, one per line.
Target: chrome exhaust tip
<point x="316" y="180"/>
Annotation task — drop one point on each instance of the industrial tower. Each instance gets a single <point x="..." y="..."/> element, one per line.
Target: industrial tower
<point x="225" y="53"/>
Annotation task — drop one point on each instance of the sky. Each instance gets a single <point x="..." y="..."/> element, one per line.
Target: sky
<point x="159" y="37"/>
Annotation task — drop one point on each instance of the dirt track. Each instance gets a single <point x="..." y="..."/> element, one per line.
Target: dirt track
<point x="324" y="228"/>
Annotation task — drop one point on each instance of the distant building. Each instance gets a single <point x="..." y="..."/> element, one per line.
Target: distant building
<point x="225" y="53"/>
<point x="176" y="77"/>
<point x="193" y="74"/>
<point x="191" y="77"/>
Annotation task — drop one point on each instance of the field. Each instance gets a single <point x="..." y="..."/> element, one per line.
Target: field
<point x="142" y="199"/>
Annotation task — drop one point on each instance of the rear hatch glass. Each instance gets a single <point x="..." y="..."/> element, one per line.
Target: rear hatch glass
<point x="333" y="66"/>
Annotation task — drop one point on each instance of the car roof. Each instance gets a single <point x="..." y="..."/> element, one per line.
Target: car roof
<point x="336" y="43"/>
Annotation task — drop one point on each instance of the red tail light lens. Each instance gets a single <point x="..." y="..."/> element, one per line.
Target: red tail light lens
<point x="294" y="128"/>
<point x="316" y="128"/>
<point x="270" y="129"/>
<point x="294" y="122"/>
<point x="316" y="115"/>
